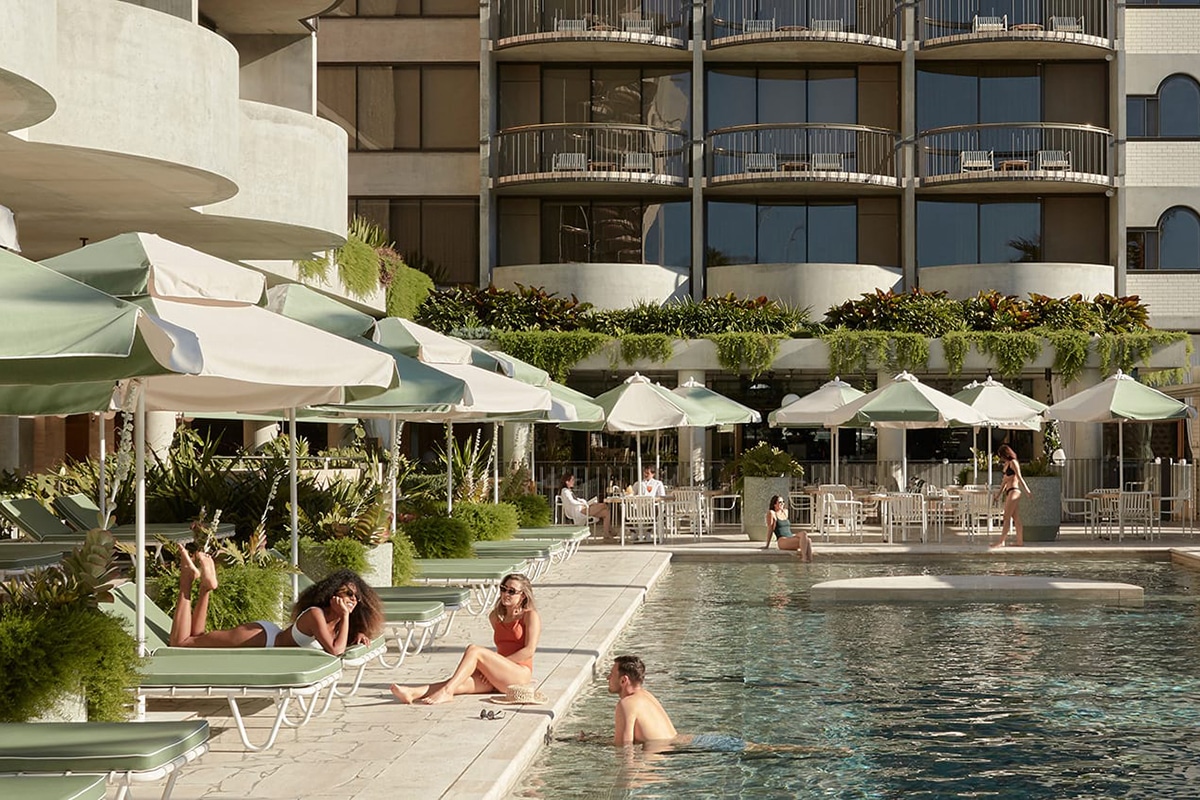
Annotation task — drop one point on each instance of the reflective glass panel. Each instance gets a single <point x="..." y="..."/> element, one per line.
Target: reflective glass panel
<point x="833" y="234"/>
<point x="1009" y="93"/>
<point x="731" y="98"/>
<point x="667" y="99"/>
<point x="946" y="98"/>
<point x="1179" y="108"/>
<point x="781" y="96"/>
<point x="1179" y="247"/>
<point x="731" y="232"/>
<point x="667" y="234"/>
<point x="947" y="233"/>
<point x="782" y="234"/>
<point x="832" y="96"/>
<point x="1010" y="232"/>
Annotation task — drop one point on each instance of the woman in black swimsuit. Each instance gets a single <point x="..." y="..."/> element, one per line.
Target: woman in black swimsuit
<point x="1012" y="488"/>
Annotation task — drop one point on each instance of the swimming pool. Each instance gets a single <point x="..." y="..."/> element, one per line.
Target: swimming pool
<point x="973" y="700"/>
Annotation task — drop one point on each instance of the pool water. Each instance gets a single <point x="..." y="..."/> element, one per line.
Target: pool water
<point x="913" y="701"/>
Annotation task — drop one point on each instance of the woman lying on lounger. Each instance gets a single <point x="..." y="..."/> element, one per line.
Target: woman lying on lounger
<point x="516" y="628"/>
<point x="339" y="611"/>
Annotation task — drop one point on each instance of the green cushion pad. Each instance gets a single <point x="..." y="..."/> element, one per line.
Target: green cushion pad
<point x="556" y="534"/>
<point x="53" y="787"/>
<point x="413" y="610"/>
<point x="32" y="517"/>
<point x="450" y="597"/>
<point x="236" y="667"/>
<point x="513" y="549"/>
<point x="96" y="746"/>
<point x="486" y="569"/>
<point x="26" y="555"/>
<point x="356" y="651"/>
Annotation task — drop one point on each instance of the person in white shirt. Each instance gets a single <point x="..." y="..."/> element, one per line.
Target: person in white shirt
<point x="578" y="510"/>
<point x="650" y="485"/>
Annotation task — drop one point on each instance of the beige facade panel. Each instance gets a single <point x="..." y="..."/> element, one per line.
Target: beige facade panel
<point x="1162" y="30"/>
<point x="27" y="62"/>
<point x="1161" y="164"/>
<point x="1144" y="205"/>
<point x="961" y="281"/>
<point x="1172" y="297"/>
<point x="815" y="286"/>
<point x="414" y="174"/>
<point x="603" y="285"/>
<point x="399" y="41"/>
<point x="1144" y="73"/>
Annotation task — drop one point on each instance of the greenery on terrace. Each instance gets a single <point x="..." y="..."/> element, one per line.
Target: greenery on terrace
<point x="881" y="329"/>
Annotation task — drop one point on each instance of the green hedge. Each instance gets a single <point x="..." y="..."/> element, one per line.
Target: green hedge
<point x="404" y="555"/>
<point x="488" y="522"/>
<point x="533" y="510"/>
<point x="439" y="537"/>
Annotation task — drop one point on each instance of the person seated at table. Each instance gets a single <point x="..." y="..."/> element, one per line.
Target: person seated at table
<point x="779" y="527"/>
<point x="578" y="510"/>
<point x="1012" y="487"/>
<point x="649" y="485"/>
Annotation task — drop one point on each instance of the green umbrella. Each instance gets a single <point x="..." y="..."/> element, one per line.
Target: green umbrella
<point x="299" y="302"/>
<point x="725" y="411"/>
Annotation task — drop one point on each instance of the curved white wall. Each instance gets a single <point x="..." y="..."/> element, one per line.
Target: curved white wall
<point x="149" y="85"/>
<point x="1019" y="278"/>
<point x="602" y="285"/>
<point x="27" y="62"/>
<point x="815" y="286"/>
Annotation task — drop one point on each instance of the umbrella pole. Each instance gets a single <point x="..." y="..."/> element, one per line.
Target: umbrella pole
<point x="393" y="453"/>
<point x="833" y="454"/>
<point x="974" y="448"/>
<point x="103" y="487"/>
<point x="139" y="560"/>
<point x="496" y="462"/>
<point x="657" y="457"/>
<point x="989" y="460"/>
<point x="294" y="493"/>
<point x="904" y="458"/>
<point x="449" y="468"/>
<point x="1120" y="455"/>
<point x="637" y="441"/>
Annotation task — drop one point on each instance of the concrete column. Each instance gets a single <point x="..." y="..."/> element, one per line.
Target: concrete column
<point x="693" y="443"/>
<point x="889" y="444"/>
<point x="1082" y="439"/>
<point x="258" y="433"/>
<point x="10" y="444"/>
<point x="698" y="276"/>
<point x="488" y="120"/>
<point x="160" y="430"/>
<point x="908" y="136"/>
<point x="1116" y="207"/>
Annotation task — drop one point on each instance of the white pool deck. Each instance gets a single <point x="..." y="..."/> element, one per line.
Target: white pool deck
<point x="369" y="747"/>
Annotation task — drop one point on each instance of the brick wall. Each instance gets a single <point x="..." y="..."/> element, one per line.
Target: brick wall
<point x="1173" y="298"/>
<point x="1162" y="163"/>
<point x="1162" y="30"/>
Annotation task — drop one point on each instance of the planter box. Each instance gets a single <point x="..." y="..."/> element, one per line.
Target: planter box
<point x="379" y="565"/>
<point x="756" y="497"/>
<point x="1041" y="513"/>
<point x="71" y="706"/>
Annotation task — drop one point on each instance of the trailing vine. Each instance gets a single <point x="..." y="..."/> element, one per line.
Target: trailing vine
<point x="1125" y="351"/>
<point x="752" y="351"/>
<point x="1009" y="351"/>
<point x="644" y="346"/>
<point x="955" y="346"/>
<point x="557" y="352"/>
<point x="1070" y="351"/>
<point x="862" y="351"/>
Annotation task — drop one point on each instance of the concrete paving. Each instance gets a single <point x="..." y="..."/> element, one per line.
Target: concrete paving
<point x="369" y="747"/>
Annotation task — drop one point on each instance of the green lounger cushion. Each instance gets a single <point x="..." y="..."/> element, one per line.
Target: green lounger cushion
<point x="449" y="597"/>
<point x="82" y="512"/>
<point x="357" y="651"/>
<point x="27" y="555"/>
<point x="53" y="787"/>
<point x="96" y="747"/>
<point x="554" y="533"/>
<point x="486" y="569"/>
<point x="413" y="610"/>
<point x="124" y="605"/>
<point x="236" y="667"/>
<point x="35" y="520"/>
<point x="512" y="549"/>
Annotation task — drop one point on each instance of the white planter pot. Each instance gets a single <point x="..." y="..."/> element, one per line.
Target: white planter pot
<point x="70" y="706"/>
<point x="756" y="498"/>
<point x="378" y="572"/>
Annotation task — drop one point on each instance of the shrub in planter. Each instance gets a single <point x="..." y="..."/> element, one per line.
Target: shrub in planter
<point x="488" y="521"/>
<point x="254" y="585"/>
<point x="404" y="556"/>
<point x="439" y="537"/>
<point x="319" y="559"/>
<point x="533" y="510"/>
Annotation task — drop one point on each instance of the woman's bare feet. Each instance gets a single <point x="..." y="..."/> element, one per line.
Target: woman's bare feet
<point x="189" y="573"/>
<point x="208" y="572"/>
<point x="440" y="696"/>
<point x="405" y="694"/>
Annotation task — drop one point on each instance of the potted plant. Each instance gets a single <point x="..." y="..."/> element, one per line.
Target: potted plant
<point x="761" y="472"/>
<point x="1041" y="510"/>
<point x="354" y="539"/>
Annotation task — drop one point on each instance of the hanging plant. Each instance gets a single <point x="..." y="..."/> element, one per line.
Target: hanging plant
<point x="1070" y="351"/>
<point x="654" y="347"/>
<point x="752" y="352"/>
<point x="955" y="346"/>
<point x="863" y="352"/>
<point x="1126" y="351"/>
<point x="557" y="352"/>
<point x="1009" y="351"/>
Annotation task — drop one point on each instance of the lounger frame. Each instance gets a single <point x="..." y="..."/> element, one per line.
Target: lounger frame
<point x="124" y="779"/>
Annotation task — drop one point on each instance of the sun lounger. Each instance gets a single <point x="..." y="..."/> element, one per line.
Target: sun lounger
<point x="18" y="557"/>
<point x="123" y="753"/>
<point x="571" y="536"/>
<point x="40" y="525"/>
<point x="481" y="575"/>
<point x="412" y="624"/>
<point x="451" y="598"/>
<point x="279" y="674"/>
<point x="538" y="555"/>
<point x="82" y="513"/>
<point x="53" y="787"/>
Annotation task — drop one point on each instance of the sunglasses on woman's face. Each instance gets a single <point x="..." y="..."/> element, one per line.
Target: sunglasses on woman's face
<point x="347" y="592"/>
<point x="508" y="590"/>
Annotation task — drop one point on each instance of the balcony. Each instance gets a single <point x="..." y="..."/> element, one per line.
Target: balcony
<point x="28" y="63"/>
<point x="1039" y="157"/>
<point x="1013" y="29"/>
<point x="767" y="159"/>
<point x="263" y="16"/>
<point x="582" y="30"/>
<point x="816" y="286"/>
<point x="1053" y="279"/>
<point x="604" y="285"/>
<point x="595" y="157"/>
<point x="810" y="30"/>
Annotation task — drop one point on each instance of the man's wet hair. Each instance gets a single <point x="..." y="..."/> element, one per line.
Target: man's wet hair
<point x="631" y="667"/>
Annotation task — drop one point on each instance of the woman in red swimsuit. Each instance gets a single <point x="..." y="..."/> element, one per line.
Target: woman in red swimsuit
<point x="516" y="628"/>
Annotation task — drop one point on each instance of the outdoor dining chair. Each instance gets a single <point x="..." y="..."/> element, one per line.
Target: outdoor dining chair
<point x="640" y="514"/>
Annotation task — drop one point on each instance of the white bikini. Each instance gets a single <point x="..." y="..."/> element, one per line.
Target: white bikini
<point x="301" y="638"/>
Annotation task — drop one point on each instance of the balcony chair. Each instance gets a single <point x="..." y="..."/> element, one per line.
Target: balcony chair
<point x="637" y="162"/>
<point x="829" y="162"/>
<point x="569" y="162"/>
<point x="761" y="162"/>
<point x="1066" y="24"/>
<point x="570" y="25"/>
<point x="827" y="25"/>
<point x="759" y="25"/>
<point x="1054" y="159"/>
<point x="635" y="24"/>
<point x="977" y="160"/>
<point x="983" y="24"/>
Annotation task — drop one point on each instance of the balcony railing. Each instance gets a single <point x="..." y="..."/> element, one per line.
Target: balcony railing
<point x="1036" y="151"/>
<point x="803" y="152"/>
<point x="592" y="151"/>
<point x="862" y="22"/>
<point x="663" y="22"/>
<point x="960" y="21"/>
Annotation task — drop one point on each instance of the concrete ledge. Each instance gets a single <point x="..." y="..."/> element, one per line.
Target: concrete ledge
<point x="975" y="588"/>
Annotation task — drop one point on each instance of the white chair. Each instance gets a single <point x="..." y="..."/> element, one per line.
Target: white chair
<point x="838" y="513"/>
<point x="1054" y="160"/>
<point x="1080" y="509"/>
<point x="761" y="162"/>
<point x="982" y="24"/>
<point x="1067" y="24"/>
<point x="829" y="162"/>
<point x="758" y="25"/>
<point x="944" y="509"/>
<point x="902" y="512"/>
<point x="570" y="25"/>
<point x="1181" y="488"/>
<point x="976" y="160"/>
<point x="689" y="509"/>
<point x="982" y="515"/>
<point x="724" y="509"/>
<point x="636" y="24"/>
<point x="827" y="26"/>
<point x="641" y="515"/>
<point x="569" y="162"/>
<point x="637" y="162"/>
<point x="1135" y="511"/>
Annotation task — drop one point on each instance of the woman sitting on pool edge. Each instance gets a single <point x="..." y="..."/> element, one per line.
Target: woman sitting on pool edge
<point x="516" y="628"/>
<point x="779" y="526"/>
<point x="339" y="611"/>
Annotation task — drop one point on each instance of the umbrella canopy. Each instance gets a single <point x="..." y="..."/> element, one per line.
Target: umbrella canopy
<point x="299" y="302"/>
<point x="725" y="411"/>
<point x="1003" y="407"/>
<point x="814" y="409"/>
<point x="1119" y="398"/>
<point x="905" y="403"/>
<point x="407" y="338"/>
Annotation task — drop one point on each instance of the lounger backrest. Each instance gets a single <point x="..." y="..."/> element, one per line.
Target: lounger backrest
<point x="158" y="624"/>
<point x="32" y="517"/>
<point x="79" y="511"/>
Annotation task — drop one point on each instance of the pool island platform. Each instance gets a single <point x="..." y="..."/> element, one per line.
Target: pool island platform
<point x="975" y="589"/>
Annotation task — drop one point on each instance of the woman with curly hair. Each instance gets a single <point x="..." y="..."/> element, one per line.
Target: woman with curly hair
<point x="516" y="628"/>
<point x="331" y="615"/>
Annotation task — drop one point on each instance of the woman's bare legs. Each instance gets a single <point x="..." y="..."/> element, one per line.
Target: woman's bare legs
<point x="187" y="627"/>
<point x="600" y="512"/>
<point x="181" y="624"/>
<point x="480" y="671"/>
<point x="789" y="542"/>
<point x="1011" y="519"/>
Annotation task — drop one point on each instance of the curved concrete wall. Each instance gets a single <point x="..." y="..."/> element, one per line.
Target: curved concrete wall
<point x="1019" y="278"/>
<point x="149" y="85"/>
<point x="602" y="285"/>
<point x="815" y="286"/>
<point x="27" y="62"/>
<point x="291" y="170"/>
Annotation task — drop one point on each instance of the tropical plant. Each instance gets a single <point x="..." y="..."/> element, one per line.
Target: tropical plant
<point x="471" y="465"/>
<point x="762" y="461"/>
<point x="488" y="521"/>
<point x="439" y="537"/>
<point x="404" y="559"/>
<point x="533" y="510"/>
<point x="319" y="559"/>
<point x="254" y="585"/>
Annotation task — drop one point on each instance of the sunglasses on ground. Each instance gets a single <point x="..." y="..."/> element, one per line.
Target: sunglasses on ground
<point x="488" y="713"/>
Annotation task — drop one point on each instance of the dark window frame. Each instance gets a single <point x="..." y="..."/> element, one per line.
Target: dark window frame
<point x="641" y="67"/>
<point x="757" y="70"/>
<point x="979" y="203"/>
<point x="590" y="203"/>
<point x="808" y="233"/>
<point x="406" y="252"/>
<point x="1152" y="112"/>
<point x="1151" y="244"/>
<point x="422" y="14"/>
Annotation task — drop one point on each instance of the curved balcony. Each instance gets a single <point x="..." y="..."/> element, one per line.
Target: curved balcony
<point x="264" y="16"/>
<point x="1026" y="157"/>
<point x="562" y="158"/>
<point x="582" y="30"/>
<point x="816" y="286"/>
<point x="1013" y="29"/>
<point x="27" y="63"/>
<point x="825" y="156"/>
<point x="605" y="286"/>
<point x="811" y="30"/>
<point x="1019" y="278"/>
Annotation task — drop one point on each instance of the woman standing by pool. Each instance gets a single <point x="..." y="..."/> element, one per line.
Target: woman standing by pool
<point x="779" y="526"/>
<point x="1012" y="488"/>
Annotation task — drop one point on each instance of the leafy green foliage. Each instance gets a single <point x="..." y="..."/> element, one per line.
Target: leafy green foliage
<point x="533" y="510"/>
<point x="557" y="352"/>
<point x="404" y="556"/>
<point x="406" y="288"/>
<point x="860" y="351"/>
<point x="439" y="537"/>
<point x="488" y="521"/>
<point x="688" y="319"/>
<point x="1009" y="351"/>
<point x="930" y="314"/>
<point x="526" y="308"/>
<point x="250" y="591"/>
<point x="319" y="559"/>
<point x="751" y="352"/>
<point x="762" y="461"/>
<point x="645" y="346"/>
<point x="1070" y="351"/>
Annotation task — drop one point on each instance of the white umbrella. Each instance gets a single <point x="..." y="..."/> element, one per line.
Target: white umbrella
<point x="814" y="409"/>
<point x="1003" y="407"/>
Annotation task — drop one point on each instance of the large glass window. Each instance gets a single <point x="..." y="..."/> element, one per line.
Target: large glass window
<point x="406" y="8"/>
<point x="437" y="236"/>
<point x="781" y="233"/>
<point x="624" y="95"/>
<point x="1173" y="244"/>
<point x="616" y="232"/>
<point x="971" y="94"/>
<point x="966" y="232"/>
<point x="392" y="107"/>
<point x="781" y="96"/>
<point x="1172" y="113"/>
